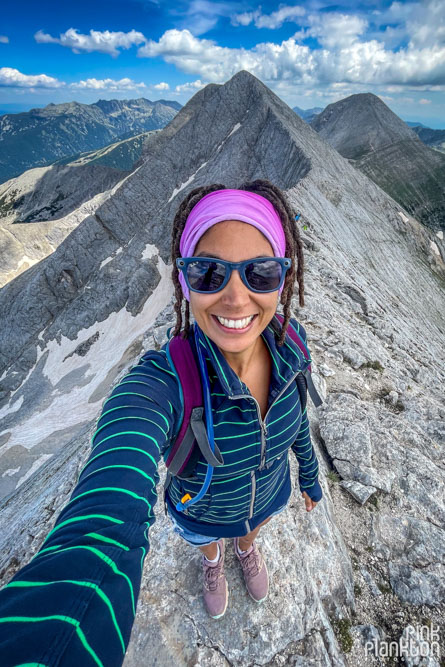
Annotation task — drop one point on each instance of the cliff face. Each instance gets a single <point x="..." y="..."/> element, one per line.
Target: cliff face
<point x="372" y="551"/>
<point x="364" y="130"/>
<point x="39" y="137"/>
<point x="58" y="198"/>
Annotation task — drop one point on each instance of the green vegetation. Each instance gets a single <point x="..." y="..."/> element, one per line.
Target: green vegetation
<point x="342" y="628"/>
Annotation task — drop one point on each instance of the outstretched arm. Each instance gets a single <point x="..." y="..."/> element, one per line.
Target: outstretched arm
<point x="75" y="602"/>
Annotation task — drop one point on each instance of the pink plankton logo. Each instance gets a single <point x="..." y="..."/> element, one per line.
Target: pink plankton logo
<point x="421" y="641"/>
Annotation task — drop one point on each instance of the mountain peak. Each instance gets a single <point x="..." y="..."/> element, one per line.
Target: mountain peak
<point x="359" y="124"/>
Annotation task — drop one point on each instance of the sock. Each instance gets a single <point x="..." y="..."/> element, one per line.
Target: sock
<point x="239" y="550"/>
<point x="216" y="559"/>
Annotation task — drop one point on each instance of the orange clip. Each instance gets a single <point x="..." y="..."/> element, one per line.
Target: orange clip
<point x="185" y="498"/>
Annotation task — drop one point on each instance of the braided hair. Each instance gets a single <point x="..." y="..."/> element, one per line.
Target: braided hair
<point x="294" y="248"/>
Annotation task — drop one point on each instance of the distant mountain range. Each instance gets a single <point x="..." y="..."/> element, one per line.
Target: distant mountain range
<point x="364" y="130"/>
<point x="433" y="138"/>
<point x="40" y="137"/>
<point x="308" y="114"/>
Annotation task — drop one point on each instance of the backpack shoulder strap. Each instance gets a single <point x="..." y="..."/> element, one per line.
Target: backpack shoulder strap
<point x="298" y="339"/>
<point x="180" y="354"/>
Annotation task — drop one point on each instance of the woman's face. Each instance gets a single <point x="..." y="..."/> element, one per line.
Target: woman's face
<point x="233" y="241"/>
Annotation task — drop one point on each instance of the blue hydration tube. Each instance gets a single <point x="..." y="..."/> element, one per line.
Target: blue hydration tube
<point x="180" y="507"/>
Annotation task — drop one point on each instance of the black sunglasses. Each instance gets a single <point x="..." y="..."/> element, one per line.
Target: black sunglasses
<point x="208" y="274"/>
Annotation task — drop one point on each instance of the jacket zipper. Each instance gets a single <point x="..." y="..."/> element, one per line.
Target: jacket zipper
<point x="263" y="432"/>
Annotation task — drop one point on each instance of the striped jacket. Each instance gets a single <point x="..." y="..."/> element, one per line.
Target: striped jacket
<point x="75" y="602"/>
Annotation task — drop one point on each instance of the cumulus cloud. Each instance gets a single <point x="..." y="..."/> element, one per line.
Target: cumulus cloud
<point x="107" y="84"/>
<point x="334" y="29"/>
<point x="424" y="101"/>
<point x="345" y="56"/>
<point x="4" y="39"/>
<point x="191" y="86"/>
<point x="272" y="21"/>
<point x="104" y="42"/>
<point x="161" y="86"/>
<point x="14" y="78"/>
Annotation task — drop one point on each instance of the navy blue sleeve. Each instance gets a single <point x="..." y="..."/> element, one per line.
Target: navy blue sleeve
<point x="75" y="602"/>
<point x="303" y="448"/>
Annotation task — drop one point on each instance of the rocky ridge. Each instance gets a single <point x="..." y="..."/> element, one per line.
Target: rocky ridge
<point x="378" y="143"/>
<point x="368" y="562"/>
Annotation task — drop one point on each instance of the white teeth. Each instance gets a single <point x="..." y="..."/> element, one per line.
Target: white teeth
<point x="235" y="324"/>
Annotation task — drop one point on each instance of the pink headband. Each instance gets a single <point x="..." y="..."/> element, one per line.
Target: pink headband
<point x="221" y="205"/>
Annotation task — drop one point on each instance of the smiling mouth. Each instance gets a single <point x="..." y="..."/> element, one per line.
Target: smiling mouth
<point x="240" y="323"/>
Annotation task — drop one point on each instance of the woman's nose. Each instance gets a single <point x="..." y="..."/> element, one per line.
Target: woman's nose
<point x="235" y="290"/>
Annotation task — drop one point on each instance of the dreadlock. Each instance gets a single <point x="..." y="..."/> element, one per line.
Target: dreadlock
<point x="294" y="248"/>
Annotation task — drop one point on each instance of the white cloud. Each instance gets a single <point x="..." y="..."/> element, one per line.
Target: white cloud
<point x="344" y="57"/>
<point x="104" y="42"/>
<point x="191" y="86"/>
<point x="334" y="30"/>
<point x="424" y="101"/>
<point x="107" y="84"/>
<point x="12" y="77"/>
<point x="4" y="39"/>
<point x="201" y="15"/>
<point x="272" y="21"/>
<point x="161" y="86"/>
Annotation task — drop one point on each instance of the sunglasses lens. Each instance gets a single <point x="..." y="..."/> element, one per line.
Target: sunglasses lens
<point x="264" y="276"/>
<point x="205" y="276"/>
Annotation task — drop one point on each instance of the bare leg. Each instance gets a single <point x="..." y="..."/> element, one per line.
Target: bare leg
<point x="210" y="550"/>
<point x="246" y="541"/>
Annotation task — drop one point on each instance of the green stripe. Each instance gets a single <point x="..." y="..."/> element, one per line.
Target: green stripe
<point x="285" y="415"/>
<point x="81" y="518"/>
<point x="241" y="435"/>
<point x="110" y="488"/>
<point x="86" y="584"/>
<point x="151" y="421"/>
<point x="57" y="617"/>
<point x="144" y="552"/>
<point x="237" y="424"/>
<point x="152" y="377"/>
<point x="228" y="465"/>
<point x="285" y="429"/>
<point x="106" y="560"/>
<point x="102" y="538"/>
<point x="274" y="360"/>
<point x="160" y="367"/>
<point x="128" y="393"/>
<point x="236" y="407"/>
<point x="216" y="359"/>
<point x="116" y="435"/>
<point x="122" y="465"/>
<point x="115" y="449"/>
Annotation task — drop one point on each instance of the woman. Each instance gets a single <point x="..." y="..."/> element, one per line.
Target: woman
<point x="75" y="602"/>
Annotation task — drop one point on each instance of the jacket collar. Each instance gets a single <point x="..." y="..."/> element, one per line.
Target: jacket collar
<point x="286" y="361"/>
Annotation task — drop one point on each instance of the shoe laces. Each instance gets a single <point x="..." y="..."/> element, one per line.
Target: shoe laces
<point x="212" y="574"/>
<point x="251" y="563"/>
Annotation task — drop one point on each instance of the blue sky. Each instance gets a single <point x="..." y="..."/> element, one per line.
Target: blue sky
<point x="310" y="54"/>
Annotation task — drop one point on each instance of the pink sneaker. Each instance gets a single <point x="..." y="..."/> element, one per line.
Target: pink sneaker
<point x="255" y="572"/>
<point x="216" y="591"/>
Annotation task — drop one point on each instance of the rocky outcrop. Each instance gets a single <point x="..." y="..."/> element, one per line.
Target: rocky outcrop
<point x="61" y="195"/>
<point x="39" y="137"/>
<point x="364" y="130"/>
<point x="367" y="563"/>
